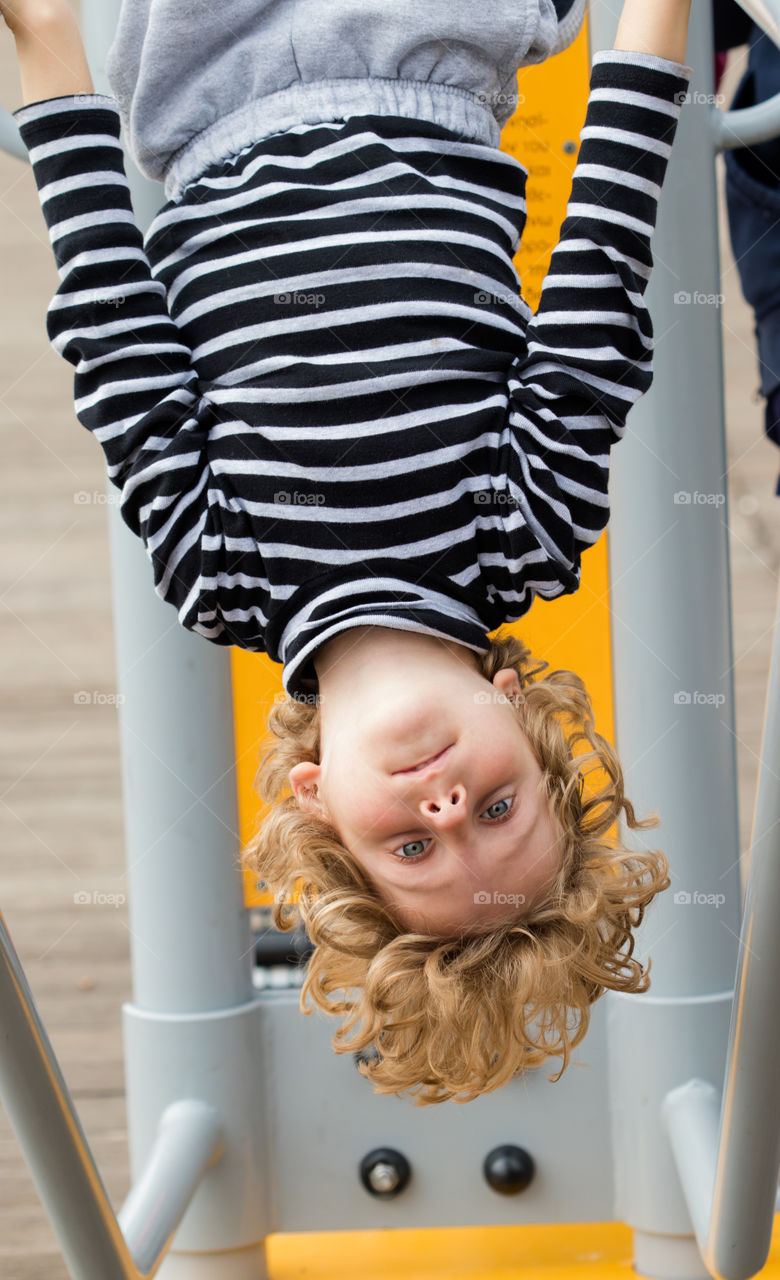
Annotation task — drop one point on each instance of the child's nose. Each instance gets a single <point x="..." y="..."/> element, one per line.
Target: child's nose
<point x="444" y="803"/>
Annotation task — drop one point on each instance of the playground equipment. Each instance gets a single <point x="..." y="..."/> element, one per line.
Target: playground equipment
<point x="244" y="1125"/>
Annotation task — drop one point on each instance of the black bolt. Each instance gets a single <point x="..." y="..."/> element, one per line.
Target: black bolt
<point x="509" y="1169"/>
<point x="369" y="1054"/>
<point x="385" y="1172"/>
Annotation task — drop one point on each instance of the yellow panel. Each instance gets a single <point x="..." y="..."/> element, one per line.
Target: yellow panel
<point x="257" y="681"/>
<point x="558" y="1251"/>
<point x="543" y="134"/>
<point x="573" y="631"/>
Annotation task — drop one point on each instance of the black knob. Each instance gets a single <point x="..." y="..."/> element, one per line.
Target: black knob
<point x="509" y="1169"/>
<point x="275" y="947"/>
<point x="384" y="1172"/>
<point x="368" y="1054"/>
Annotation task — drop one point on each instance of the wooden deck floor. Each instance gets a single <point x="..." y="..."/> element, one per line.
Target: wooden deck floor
<point x="60" y="816"/>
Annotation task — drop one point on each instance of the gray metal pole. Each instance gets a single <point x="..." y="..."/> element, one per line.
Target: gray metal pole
<point x="670" y="573"/>
<point x="10" y="139"/>
<point x="749" y="1148"/>
<point x="672" y="654"/>
<point x="190" y="937"/>
<point x="749" y="125"/>
<point x="38" y="1104"/>
<point x="730" y="1177"/>
<point x="36" y="1098"/>
<point x="189" y="929"/>
<point x="189" y="1141"/>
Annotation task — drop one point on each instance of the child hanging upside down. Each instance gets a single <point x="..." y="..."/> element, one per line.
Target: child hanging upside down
<point x="346" y="441"/>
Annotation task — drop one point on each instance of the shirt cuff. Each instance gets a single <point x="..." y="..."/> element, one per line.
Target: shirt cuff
<point x="32" y="111"/>
<point x="651" y="60"/>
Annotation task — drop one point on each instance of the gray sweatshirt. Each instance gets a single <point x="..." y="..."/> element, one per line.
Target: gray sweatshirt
<point x="251" y="68"/>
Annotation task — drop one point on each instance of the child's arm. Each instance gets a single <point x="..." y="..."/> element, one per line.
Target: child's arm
<point x="49" y="48"/>
<point x="134" y="386"/>
<point x="589" y="346"/>
<point x="659" y="27"/>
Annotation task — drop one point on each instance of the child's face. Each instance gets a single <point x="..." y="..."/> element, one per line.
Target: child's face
<point x="466" y="840"/>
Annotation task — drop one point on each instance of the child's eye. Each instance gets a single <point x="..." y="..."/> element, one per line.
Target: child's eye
<point x="420" y="846"/>
<point x="495" y="805"/>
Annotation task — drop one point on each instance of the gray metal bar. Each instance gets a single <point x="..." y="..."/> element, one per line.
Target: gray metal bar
<point x="738" y="1166"/>
<point x="38" y="1104"/>
<point x="10" y="139"/>
<point x="749" y="125"/>
<point x="190" y="936"/>
<point x="190" y="940"/>
<point x="749" y="1149"/>
<point x="672" y="678"/>
<point x="691" y="1114"/>
<point x="188" y="1142"/>
<point x="670" y="572"/>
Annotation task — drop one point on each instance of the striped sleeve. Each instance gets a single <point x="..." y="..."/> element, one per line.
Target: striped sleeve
<point x="590" y="343"/>
<point x="134" y="385"/>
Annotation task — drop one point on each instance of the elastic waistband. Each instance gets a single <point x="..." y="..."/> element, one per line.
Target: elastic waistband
<point x="319" y="101"/>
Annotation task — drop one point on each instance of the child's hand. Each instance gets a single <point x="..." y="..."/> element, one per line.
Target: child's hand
<point x="22" y="16"/>
<point x="52" y="61"/>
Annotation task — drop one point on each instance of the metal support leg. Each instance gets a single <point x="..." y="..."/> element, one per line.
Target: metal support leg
<point x="189" y="1140"/>
<point x="193" y="1028"/>
<point x="10" y="140"/>
<point x="38" y="1104"/>
<point x="36" y="1098"/>
<point x="673" y="663"/>
<point x="730" y="1177"/>
<point x="192" y="1035"/>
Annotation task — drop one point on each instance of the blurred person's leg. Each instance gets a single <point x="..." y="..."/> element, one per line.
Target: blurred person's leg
<point x="753" y="202"/>
<point x="731" y="25"/>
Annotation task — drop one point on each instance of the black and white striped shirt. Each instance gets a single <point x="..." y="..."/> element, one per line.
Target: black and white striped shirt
<point x="317" y="385"/>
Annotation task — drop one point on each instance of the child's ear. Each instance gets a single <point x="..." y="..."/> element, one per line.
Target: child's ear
<point x="507" y="682"/>
<point x="304" y="780"/>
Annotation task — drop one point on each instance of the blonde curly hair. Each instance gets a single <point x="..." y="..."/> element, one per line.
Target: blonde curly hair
<point x="451" y="1017"/>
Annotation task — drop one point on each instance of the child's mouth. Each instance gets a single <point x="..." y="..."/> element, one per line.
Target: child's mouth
<point x="423" y="764"/>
